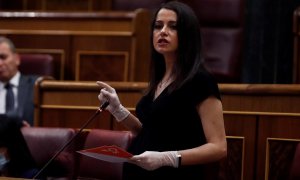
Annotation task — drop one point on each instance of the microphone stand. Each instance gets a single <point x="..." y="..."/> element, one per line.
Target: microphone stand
<point x="102" y="107"/>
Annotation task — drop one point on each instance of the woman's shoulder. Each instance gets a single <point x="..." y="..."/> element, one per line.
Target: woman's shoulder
<point x="204" y="77"/>
<point x="205" y="84"/>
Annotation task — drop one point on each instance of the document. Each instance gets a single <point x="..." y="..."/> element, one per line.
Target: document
<point x="107" y="153"/>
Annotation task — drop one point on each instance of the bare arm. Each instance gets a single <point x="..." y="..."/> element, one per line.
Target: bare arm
<point x="211" y="113"/>
<point x="133" y="124"/>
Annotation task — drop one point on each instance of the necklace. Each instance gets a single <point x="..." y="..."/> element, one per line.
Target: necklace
<point x="162" y="83"/>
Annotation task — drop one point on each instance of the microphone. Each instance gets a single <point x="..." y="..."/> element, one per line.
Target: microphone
<point x="100" y="109"/>
<point x="104" y="105"/>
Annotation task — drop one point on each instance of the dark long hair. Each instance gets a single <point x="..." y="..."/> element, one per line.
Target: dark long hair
<point x="189" y="60"/>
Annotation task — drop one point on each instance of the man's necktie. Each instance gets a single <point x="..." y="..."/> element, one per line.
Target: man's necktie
<point x="10" y="99"/>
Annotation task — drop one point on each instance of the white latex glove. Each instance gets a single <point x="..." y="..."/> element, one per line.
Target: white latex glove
<point x="108" y="93"/>
<point x="151" y="160"/>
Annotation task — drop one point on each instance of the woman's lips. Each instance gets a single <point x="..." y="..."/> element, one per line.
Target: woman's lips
<point x="162" y="42"/>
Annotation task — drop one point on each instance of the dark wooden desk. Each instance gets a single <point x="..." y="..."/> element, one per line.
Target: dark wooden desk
<point x="266" y="119"/>
<point x="262" y="121"/>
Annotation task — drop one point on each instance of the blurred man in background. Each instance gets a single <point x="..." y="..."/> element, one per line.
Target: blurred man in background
<point x="16" y="90"/>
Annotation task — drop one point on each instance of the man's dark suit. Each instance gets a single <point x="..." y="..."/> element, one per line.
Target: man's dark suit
<point x="25" y="109"/>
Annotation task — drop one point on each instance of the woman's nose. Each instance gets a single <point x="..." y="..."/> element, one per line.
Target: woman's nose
<point x="163" y="31"/>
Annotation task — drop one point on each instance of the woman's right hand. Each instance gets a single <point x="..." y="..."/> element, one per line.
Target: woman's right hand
<point x="108" y="93"/>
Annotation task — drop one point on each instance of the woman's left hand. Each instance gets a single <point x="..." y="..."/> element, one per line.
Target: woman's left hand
<point x="151" y="160"/>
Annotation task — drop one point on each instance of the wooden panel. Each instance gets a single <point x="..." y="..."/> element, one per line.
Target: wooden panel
<point x="232" y="167"/>
<point x="109" y="45"/>
<point x="56" y="100"/>
<point x="76" y="32"/>
<point x="274" y="126"/>
<point x="57" y="46"/>
<point x="279" y="157"/>
<point x="263" y="98"/>
<point x="243" y="126"/>
<point x="102" y="66"/>
<point x="58" y="116"/>
<point x="66" y="5"/>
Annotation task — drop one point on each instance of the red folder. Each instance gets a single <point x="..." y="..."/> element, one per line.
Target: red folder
<point x="107" y="153"/>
